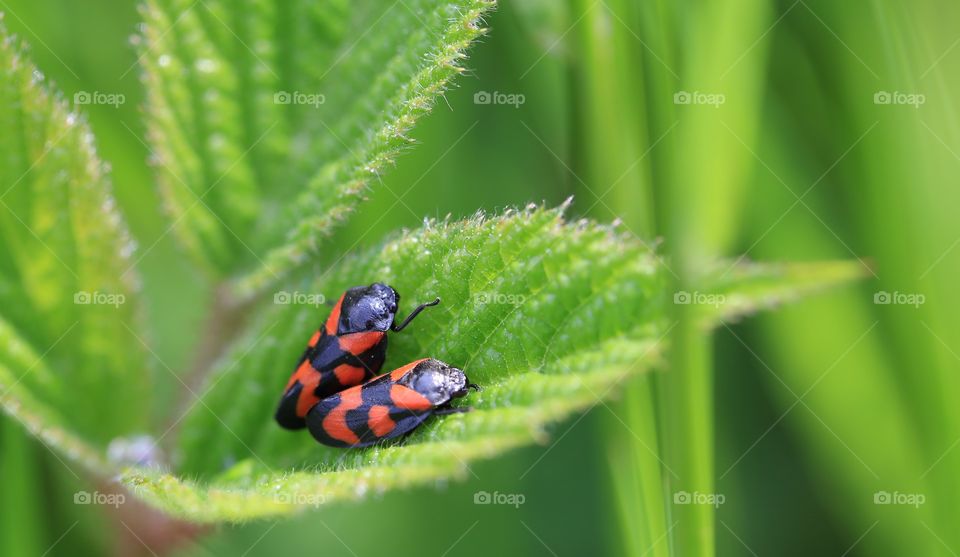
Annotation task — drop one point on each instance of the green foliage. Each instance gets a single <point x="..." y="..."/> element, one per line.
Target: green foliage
<point x="742" y="288"/>
<point x="67" y="290"/>
<point x="20" y="533"/>
<point x="551" y="317"/>
<point x="532" y="307"/>
<point x="270" y="120"/>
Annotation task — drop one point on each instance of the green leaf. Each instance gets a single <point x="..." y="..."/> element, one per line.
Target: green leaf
<point x="269" y="120"/>
<point x="549" y="317"/>
<point x="743" y="288"/>
<point x="67" y="291"/>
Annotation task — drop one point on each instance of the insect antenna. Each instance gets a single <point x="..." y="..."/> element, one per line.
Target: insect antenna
<point x="413" y="314"/>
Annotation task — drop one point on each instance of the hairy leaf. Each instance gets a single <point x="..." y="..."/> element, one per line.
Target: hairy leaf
<point x="67" y="291"/>
<point x="270" y="119"/>
<point x="549" y="317"/>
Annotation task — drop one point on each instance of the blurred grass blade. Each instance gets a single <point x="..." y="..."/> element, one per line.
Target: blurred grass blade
<point x="637" y="471"/>
<point x="622" y="75"/>
<point x="270" y="122"/>
<point x="880" y="416"/>
<point x="732" y="291"/>
<point x="67" y="293"/>
<point x="718" y="100"/>
<point x="610" y="92"/>
<point x="21" y="533"/>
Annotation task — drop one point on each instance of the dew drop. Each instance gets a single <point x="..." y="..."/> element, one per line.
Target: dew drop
<point x="205" y="65"/>
<point x="138" y="450"/>
<point x="216" y="141"/>
<point x="361" y="489"/>
<point x="128" y="249"/>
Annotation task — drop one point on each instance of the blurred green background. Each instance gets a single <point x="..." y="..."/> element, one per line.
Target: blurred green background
<point x="815" y="130"/>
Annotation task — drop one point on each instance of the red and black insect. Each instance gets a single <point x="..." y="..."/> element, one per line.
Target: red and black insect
<point x="348" y="350"/>
<point x="389" y="405"/>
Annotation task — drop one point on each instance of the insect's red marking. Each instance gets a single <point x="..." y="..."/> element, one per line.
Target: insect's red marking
<point x="302" y="374"/>
<point x="315" y="338"/>
<point x="334" y="318"/>
<point x="309" y="378"/>
<point x="401" y="371"/>
<point x="408" y="399"/>
<point x="335" y="423"/>
<point x="358" y="343"/>
<point x="349" y="375"/>
<point x="379" y="421"/>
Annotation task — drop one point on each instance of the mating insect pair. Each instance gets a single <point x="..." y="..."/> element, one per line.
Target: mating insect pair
<point x="333" y="391"/>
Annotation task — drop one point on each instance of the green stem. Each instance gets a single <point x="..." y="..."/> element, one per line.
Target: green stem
<point x="613" y="131"/>
<point x="20" y="532"/>
<point x="711" y="150"/>
<point x="636" y="476"/>
<point x="616" y="180"/>
<point x="688" y="413"/>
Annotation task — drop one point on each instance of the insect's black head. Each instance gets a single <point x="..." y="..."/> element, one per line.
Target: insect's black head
<point x="437" y="381"/>
<point x="368" y="308"/>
